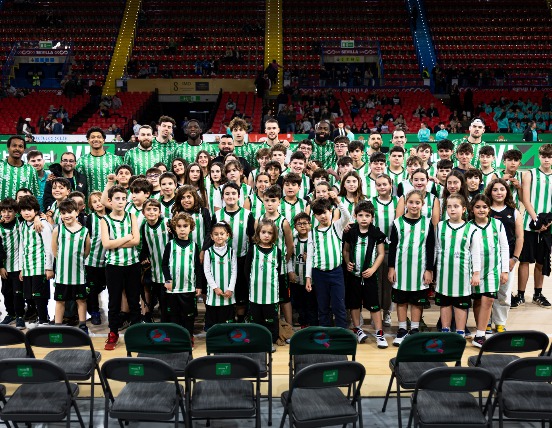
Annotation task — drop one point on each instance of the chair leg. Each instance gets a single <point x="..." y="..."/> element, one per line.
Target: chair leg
<point x="399" y="410"/>
<point x="360" y="422"/>
<point x="388" y="392"/>
<point x="91" y="422"/>
<point x="270" y="399"/>
<point x="106" y="410"/>
<point x="120" y="423"/>
<point x="410" y="417"/>
<point x="77" y="411"/>
<point x="284" y="415"/>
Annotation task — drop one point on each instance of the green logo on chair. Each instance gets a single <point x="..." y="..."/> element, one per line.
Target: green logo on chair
<point x="543" y="371"/>
<point x="136" y="369"/>
<point x="56" y="337"/>
<point x="517" y="342"/>
<point x="458" y="380"/>
<point x="223" y="369"/>
<point x="24" y="371"/>
<point x="329" y="376"/>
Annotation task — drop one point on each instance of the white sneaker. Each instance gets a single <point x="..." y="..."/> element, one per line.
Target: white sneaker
<point x="387" y="319"/>
<point x="381" y="341"/>
<point x="401" y="335"/>
<point x="361" y="336"/>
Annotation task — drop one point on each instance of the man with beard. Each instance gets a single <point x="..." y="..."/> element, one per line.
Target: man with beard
<point x="272" y="129"/>
<point x="238" y="127"/>
<point x="374" y="144"/>
<point x="66" y="169"/>
<point x="323" y="148"/>
<point x="99" y="163"/>
<point x="163" y="141"/>
<point x="476" y="130"/>
<point x="190" y="148"/>
<point x="226" y="146"/>
<point x="143" y="157"/>
<point x="14" y="173"/>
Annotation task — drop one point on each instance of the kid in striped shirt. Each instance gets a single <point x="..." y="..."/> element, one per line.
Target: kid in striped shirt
<point x="297" y="166"/>
<point x="512" y="160"/>
<point x="486" y="163"/>
<point x="61" y="187"/>
<point x="213" y="185"/>
<point x="396" y="170"/>
<point x="168" y="191"/>
<point x="262" y="156"/>
<point x="351" y="192"/>
<point x="254" y="201"/>
<point x="292" y="204"/>
<point x="220" y="268"/>
<point x="70" y="247"/>
<point x="153" y="176"/>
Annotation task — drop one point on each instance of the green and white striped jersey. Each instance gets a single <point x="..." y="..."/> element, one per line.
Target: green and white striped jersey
<point x="397" y="178"/>
<point x="97" y="168"/>
<point x="358" y="254"/>
<point x="166" y="208"/>
<point x="118" y="229"/>
<point x="96" y="258"/>
<point x="539" y="195"/>
<point x="213" y="193"/>
<point x="487" y="178"/>
<point x="457" y="257"/>
<point x="257" y="205"/>
<point x="56" y="216"/>
<point x="198" y="234"/>
<point x="349" y="205"/>
<point x="70" y="256"/>
<point x="10" y="240"/>
<point x="246" y="151"/>
<point x="476" y="148"/>
<point x="238" y="223"/>
<point x="220" y="267"/>
<point x="327" y="248"/>
<point x="280" y="241"/>
<point x="167" y="149"/>
<point x="133" y="209"/>
<point x="156" y="195"/>
<point x="141" y="160"/>
<point x="13" y="178"/>
<point x="410" y="259"/>
<point x="384" y="216"/>
<point x="515" y="193"/>
<point x="263" y="280"/>
<point x="35" y="251"/>
<point x="371" y="190"/>
<point x="182" y="266"/>
<point x="156" y="238"/>
<point x="324" y="153"/>
<point x="289" y="210"/>
<point x="299" y="258"/>
<point x="189" y="152"/>
<point x="495" y="255"/>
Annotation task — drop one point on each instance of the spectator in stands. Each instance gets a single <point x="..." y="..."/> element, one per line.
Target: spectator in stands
<point x="396" y="99"/>
<point x="545" y="103"/>
<point x="340" y="131"/>
<point x="388" y="117"/>
<point x="442" y="132"/>
<point x="95" y="92"/>
<point x="230" y="105"/>
<point x="423" y="133"/>
<point x="432" y="111"/>
<point x="52" y="110"/>
<point x="10" y="90"/>
<point x="349" y="133"/>
<point x="419" y="112"/>
<point x="531" y="133"/>
<point x="104" y="112"/>
<point x="57" y="127"/>
<point x="377" y="117"/>
<point x="401" y="122"/>
<point x="272" y="71"/>
<point x="135" y="127"/>
<point x="516" y="127"/>
<point x="133" y="139"/>
<point x="116" y="129"/>
<point x="455" y="126"/>
<point x="455" y="98"/>
<point x="62" y="116"/>
<point x="19" y="125"/>
<point x="364" y="128"/>
<point x="465" y="122"/>
<point x="27" y="129"/>
<point x="116" y="103"/>
<point x="368" y="78"/>
<point x="501" y="120"/>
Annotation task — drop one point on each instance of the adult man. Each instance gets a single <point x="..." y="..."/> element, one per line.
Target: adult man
<point x="272" y="130"/>
<point x="193" y="145"/>
<point x="164" y="140"/>
<point x="135" y="127"/>
<point x="226" y="146"/>
<point x="65" y="169"/>
<point x="398" y="137"/>
<point x="238" y="127"/>
<point x="530" y="133"/>
<point x="14" y="173"/>
<point x="432" y="111"/>
<point x="323" y="149"/>
<point x="374" y="144"/>
<point x="36" y="160"/>
<point x="144" y="156"/>
<point x="476" y="130"/>
<point x="99" y="163"/>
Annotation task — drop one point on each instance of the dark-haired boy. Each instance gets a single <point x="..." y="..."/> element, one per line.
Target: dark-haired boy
<point x="474" y="182"/>
<point x="377" y="167"/>
<point x="512" y="160"/>
<point x="297" y="163"/>
<point x="464" y="154"/>
<point x="291" y="204"/>
<point x="444" y="167"/>
<point x="61" y="187"/>
<point x="396" y="170"/>
<point x="486" y="162"/>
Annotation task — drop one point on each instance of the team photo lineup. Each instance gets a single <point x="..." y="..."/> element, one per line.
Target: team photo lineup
<point x="312" y="232"/>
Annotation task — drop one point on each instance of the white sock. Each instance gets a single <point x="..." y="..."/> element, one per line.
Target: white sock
<point x="480" y="333"/>
<point x="414" y="325"/>
<point x="402" y="324"/>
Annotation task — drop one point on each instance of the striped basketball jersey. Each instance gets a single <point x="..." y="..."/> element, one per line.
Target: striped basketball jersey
<point x="384" y="216"/>
<point x="371" y="190"/>
<point x="328" y="253"/>
<point x="118" y="229"/>
<point x="13" y="178"/>
<point x="141" y="160"/>
<point x="247" y="151"/>
<point x="182" y="266"/>
<point x="133" y="209"/>
<point x="348" y="204"/>
<point x="10" y="240"/>
<point x="257" y="207"/>
<point x="166" y="208"/>
<point x="263" y="280"/>
<point x="189" y="153"/>
<point x="56" y="216"/>
<point x="156" y="195"/>
<point x="487" y="178"/>
<point x="324" y="153"/>
<point x="289" y="210"/>
<point x="221" y="269"/>
<point x="97" y="168"/>
<point x="515" y="193"/>
<point x="359" y="253"/>
<point x="397" y="177"/>
<point x="410" y="261"/>
<point x="245" y="192"/>
<point x="35" y="254"/>
<point x="539" y="195"/>
<point x="198" y="234"/>
<point x="454" y="258"/>
<point x="427" y="207"/>
<point x="70" y="256"/>
<point x="238" y="223"/>
<point x="96" y="258"/>
<point x="213" y="194"/>
<point x="167" y="149"/>
<point x="299" y="258"/>
<point x="156" y="237"/>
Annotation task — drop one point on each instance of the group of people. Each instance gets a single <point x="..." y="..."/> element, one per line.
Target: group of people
<point x="321" y="227"/>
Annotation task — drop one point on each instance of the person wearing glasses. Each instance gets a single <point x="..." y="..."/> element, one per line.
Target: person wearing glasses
<point x="65" y="169"/>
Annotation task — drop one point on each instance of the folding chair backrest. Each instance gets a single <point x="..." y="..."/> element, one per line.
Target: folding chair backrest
<point x="326" y="375"/>
<point x="58" y="337"/>
<point x="431" y="347"/>
<point x="532" y="369"/>
<point x="456" y="379"/>
<point x="138" y="370"/>
<point x="222" y="367"/>
<point x="30" y="370"/>
<point x="158" y="338"/>
<point x="10" y="335"/>
<point x="515" y="342"/>
<point x="323" y="340"/>
<point x="243" y="338"/>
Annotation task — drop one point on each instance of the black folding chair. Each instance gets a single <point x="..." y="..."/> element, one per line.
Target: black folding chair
<point x="9" y="336"/>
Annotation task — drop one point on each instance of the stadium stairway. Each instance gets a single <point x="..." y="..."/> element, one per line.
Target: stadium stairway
<point x="421" y="34"/>
<point x="123" y="48"/>
<point x="274" y="40"/>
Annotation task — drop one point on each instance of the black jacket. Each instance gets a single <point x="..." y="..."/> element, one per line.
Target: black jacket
<point x="528" y="134"/>
<point x="78" y="183"/>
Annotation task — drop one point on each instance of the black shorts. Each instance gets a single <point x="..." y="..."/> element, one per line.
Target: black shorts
<point x="461" y="302"/>
<point x="241" y="291"/>
<point x="96" y="279"/>
<point x="36" y="287"/>
<point x="283" y="289"/>
<point x="361" y="292"/>
<point x="416" y="298"/>
<point x="477" y="296"/>
<point x="534" y="248"/>
<point x="218" y="315"/>
<point x="12" y="285"/>
<point x="64" y="292"/>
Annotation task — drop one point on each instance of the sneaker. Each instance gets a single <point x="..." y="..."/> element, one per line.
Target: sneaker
<point x="401" y="335"/>
<point x="380" y="340"/>
<point x="386" y="319"/>
<point x="478" y="341"/>
<point x="541" y="301"/>
<point x="489" y="329"/>
<point x="467" y="333"/>
<point x="413" y="331"/>
<point x="30" y="314"/>
<point x="95" y="318"/>
<point x="147" y="318"/>
<point x="20" y="323"/>
<point x="111" y="341"/>
<point x="517" y="301"/>
<point x="8" y="319"/>
<point x="461" y="333"/>
<point x="500" y="328"/>
<point x="361" y="336"/>
<point x="83" y="328"/>
<point x="288" y="341"/>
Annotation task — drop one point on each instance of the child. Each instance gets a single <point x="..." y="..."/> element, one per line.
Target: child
<point x="432" y="206"/>
<point x="385" y="206"/>
<point x="444" y="167"/>
<point x="182" y="272"/>
<point x="220" y="268"/>
<point x="456" y="183"/>
<point x="70" y="247"/>
<point x="411" y="250"/>
<point x="464" y="154"/>
<point x="23" y="191"/>
<point x="423" y="151"/>
<point x="121" y="239"/>
<point x="413" y="163"/>
<point x="262" y="156"/>
<point x="194" y="177"/>
<point x="445" y="148"/>
<point x="474" y="181"/>
<point x="203" y="159"/>
<point x="213" y="185"/>
<point x="178" y="168"/>
<point x="274" y="170"/>
<point x="278" y="153"/>
<point x="140" y="191"/>
<point x="61" y="187"/>
<point x="324" y="260"/>
<point x="262" y="267"/>
<point x="356" y="151"/>
<point x="254" y="201"/>
<point x="233" y="171"/>
<point x="494" y="263"/>
<point x="154" y="234"/>
<point x="303" y="302"/>
<point x="344" y="165"/>
<point x="512" y="161"/>
<point x="292" y="204"/>
<point x="377" y="167"/>
<point x="187" y="200"/>
<point x="152" y="175"/>
<point x="168" y="182"/>
<point x="363" y="253"/>
<point x="95" y="262"/>
<point x="122" y="176"/>
<point x="12" y="288"/>
<point x="396" y="170"/>
<point x="504" y="209"/>
<point x="35" y="257"/>
<point x="297" y="164"/>
<point x="486" y="162"/>
<point x="350" y="193"/>
<point x="458" y="264"/>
